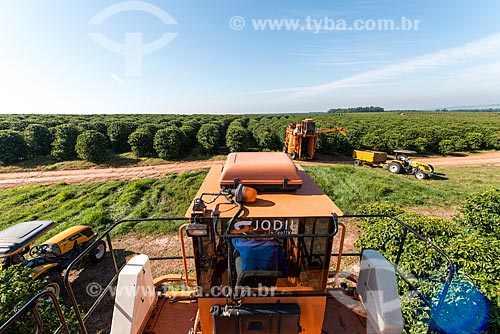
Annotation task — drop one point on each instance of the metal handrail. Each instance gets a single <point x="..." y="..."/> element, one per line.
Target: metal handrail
<point x="419" y="236"/>
<point x="31" y="307"/>
<point x="67" y="283"/>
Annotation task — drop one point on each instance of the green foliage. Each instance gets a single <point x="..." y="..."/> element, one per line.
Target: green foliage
<point x="421" y="144"/>
<point x="167" y="143"/>
<point x="459" y="143"/>
<point x="237" y="137"/>
<point x="16" y="289"/>
<point x="189" y="131"/>
<point x="91" y="146"/>
<point x="432" y="132"/>
<point x="267" y="139"/>
<point x="141" y="142"/>
<point x="446" y="146"/>
<point x="63" y="146"/>
<point x="474" y="140"/>
<point x="38" y="138"/>
<point x="474" y="248"/>
<point x="482" y="212"/>
<point x="118" y="133"/>
<point x="209" y="136"/>
<point x="95" y="125"/>
<point x="494" y="140"/>
<point x="12" y="147"/>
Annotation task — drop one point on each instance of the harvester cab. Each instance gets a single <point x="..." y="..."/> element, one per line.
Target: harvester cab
<point x="403" y="164"/>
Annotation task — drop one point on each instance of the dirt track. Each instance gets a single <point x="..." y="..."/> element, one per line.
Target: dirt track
<point x="11" y="180"/>
<point x="18" y="179"/>
<point x="480" y="159"/>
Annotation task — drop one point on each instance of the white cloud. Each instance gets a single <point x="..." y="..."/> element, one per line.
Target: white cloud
<point x="478" y="50"/>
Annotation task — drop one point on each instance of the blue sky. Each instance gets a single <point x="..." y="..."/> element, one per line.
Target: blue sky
<point x="50" y="63"/>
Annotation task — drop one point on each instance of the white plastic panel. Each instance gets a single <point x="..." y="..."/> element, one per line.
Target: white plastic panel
<point x="379" y="290"/>
<point x="135" y="296"/>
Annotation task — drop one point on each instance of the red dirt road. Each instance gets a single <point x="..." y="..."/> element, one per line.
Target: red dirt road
<point x="18" y="179"/>
<point x="480" y="159"/>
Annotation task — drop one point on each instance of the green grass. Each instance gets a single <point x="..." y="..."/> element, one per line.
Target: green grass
<point x="99" y="204"/>
<point x="350" y="187"/>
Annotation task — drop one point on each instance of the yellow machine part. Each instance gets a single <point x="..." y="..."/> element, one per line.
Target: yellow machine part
<point x="40" y="270"/>
<point x="66" y="239"/>
<point x="374" y="157"/>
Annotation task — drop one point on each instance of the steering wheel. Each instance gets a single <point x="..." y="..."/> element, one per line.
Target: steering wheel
<point x="39" y="250"/>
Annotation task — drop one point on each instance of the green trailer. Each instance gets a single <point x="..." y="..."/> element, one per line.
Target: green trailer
<point x="371" y="158"/>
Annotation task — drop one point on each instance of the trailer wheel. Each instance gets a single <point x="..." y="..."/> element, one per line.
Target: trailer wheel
<point x="97" y="252"/>
<point x="420" y="175"/>
<point x="395" y="168"/>
<point x="357" y="163"/>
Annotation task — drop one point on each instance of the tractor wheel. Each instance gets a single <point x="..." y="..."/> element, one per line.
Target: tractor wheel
<point x="293" y="155"/>
<point x="395" y="168"/>
<point x="419" y="175"/>
<point x="357" y="163"/>
<point x="97" y="252"/>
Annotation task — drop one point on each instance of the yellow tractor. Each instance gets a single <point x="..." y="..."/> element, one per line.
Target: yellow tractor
<point x="403" y="164"/>
<point x="301" y="141"/>
<point x="51" y="257"/>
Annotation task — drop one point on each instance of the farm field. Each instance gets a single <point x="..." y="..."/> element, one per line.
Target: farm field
<point x="99" y="203"/>
<point x="157" y="170"/>
<point x="160" y="175"/>
<point x="73" y="141"/>
<point x="353" y="189"/>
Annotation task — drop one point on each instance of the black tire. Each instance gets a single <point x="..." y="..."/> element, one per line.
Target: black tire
<point x="293" y="155"/>
<point x="394" y="167"/>
<point x="420" y="175"/>
<point x="97" y="252"/>
<point x="357" y="163"/>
